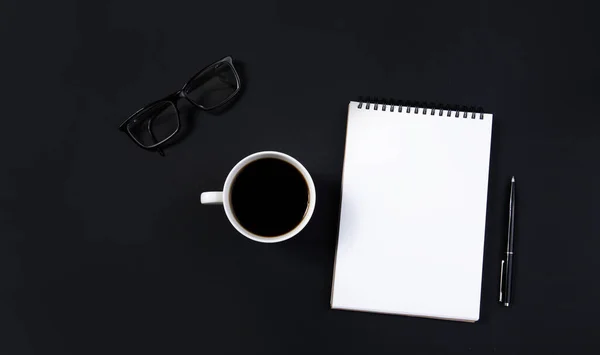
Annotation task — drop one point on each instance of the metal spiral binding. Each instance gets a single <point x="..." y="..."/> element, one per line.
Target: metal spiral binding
<point x="417" y="108"/>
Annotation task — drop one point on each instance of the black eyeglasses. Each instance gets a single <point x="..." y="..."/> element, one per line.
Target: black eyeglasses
<point x="156" y="123"/>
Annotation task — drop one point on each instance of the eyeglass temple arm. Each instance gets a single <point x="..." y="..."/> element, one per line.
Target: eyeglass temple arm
<point x="149" y="127"/>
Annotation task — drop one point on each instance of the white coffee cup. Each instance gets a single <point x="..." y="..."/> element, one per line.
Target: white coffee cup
<point x="224" y="197"/>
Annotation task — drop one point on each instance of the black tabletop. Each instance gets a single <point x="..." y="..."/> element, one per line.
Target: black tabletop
<point x="105" y="248"/>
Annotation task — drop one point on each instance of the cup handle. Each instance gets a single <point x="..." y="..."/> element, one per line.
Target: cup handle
<point x="212" y="198"/>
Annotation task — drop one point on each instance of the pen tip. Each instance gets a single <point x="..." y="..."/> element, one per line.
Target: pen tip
<point x="513" y="179"/>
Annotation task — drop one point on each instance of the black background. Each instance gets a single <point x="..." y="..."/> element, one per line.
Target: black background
<point x="105" y="247"/>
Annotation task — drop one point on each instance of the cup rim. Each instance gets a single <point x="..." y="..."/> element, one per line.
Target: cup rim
<point x="231" y="178"/>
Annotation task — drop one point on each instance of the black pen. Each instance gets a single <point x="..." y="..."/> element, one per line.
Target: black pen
<point x="507" y="264"/>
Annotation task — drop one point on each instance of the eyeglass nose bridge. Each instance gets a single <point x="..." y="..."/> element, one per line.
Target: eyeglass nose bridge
<point x="175" y="96"/>
<point x="180" y="94"/>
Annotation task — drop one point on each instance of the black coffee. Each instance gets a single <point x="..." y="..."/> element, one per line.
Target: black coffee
<point x="269" y="197"/>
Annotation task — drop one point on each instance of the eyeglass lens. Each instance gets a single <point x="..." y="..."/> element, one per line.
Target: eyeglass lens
<point x="213" y="86"/>
<point x="155" y="124"/>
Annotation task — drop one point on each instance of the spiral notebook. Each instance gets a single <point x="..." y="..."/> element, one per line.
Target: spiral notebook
<point x="412" y="224"/>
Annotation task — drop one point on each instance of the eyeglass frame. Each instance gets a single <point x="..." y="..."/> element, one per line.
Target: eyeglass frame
<point x="174" y="97"/>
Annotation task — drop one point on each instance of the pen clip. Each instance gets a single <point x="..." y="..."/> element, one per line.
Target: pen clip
<point x="501" y="279"/>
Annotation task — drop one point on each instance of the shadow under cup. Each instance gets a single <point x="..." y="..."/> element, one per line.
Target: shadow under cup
<point x="270" y="197"/>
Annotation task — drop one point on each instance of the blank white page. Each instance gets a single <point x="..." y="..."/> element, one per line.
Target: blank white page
<point x="412" y="225"/>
